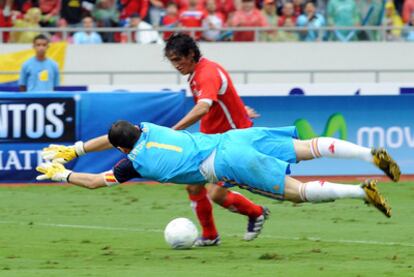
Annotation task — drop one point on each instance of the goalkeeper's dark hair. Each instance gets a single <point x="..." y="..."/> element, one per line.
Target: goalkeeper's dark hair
<point x="123" y="134"/>
<point x="182" y="45"/>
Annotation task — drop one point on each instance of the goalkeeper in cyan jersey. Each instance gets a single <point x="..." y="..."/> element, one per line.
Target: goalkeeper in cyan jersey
<point x="256" y="159"/>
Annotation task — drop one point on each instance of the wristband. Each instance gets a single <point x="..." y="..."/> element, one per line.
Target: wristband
<point x="79" y="148"/>
<point x="67" y="178"/>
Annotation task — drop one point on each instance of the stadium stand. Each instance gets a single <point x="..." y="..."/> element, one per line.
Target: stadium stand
<point x="238" y="20"/>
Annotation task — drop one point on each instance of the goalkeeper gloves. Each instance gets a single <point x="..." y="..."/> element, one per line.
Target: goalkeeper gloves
<point x="63" y="154"/>
<point x="53" y="171"/>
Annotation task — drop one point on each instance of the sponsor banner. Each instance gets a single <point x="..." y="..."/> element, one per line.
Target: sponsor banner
<point x="37" y="120"/>
<point x="371" y="121"/>
<point x="320" y="89"/>
<point x="31" y="121"/>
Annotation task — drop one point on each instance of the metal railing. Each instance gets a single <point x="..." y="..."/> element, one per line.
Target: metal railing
<point x="246" y="74"/>
<point x="382" y="31"/>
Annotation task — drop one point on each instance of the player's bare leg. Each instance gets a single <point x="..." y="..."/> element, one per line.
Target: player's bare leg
<point x="236" y="202"/>
<point x="204" y="211"/>
<point x="336" y="148"/>
<point x="321" y="191"/>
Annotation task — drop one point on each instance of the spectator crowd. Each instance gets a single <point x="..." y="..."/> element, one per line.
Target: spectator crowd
<point x="146" y="16"/>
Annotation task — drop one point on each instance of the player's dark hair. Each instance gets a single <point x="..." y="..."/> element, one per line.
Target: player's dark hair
<point x="123" y="134"/>
<point x="182" y="45"/>
<point x="42" y="37"/>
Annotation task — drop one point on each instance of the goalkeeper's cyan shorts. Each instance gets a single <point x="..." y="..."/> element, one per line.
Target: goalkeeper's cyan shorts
<point x="257" y="159"/>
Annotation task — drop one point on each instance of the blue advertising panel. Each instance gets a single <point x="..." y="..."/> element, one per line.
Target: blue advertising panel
<point x="371" y="121"/>
<point x="31" y="121"/>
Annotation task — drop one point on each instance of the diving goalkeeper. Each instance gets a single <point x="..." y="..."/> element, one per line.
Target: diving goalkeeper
<point x="256" y="159"/>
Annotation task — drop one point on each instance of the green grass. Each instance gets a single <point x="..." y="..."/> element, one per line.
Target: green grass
<point x="70" y="231"/>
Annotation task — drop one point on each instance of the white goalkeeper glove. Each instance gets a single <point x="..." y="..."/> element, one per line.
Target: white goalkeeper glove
<point x="63" y="154"/>
<point x="53" y="171"/>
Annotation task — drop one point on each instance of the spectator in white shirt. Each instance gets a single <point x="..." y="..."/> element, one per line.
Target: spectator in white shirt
<point x="213" y="21"/>
<point x="146" y="33"/>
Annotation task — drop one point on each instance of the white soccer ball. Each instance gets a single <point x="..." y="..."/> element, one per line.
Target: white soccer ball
<point x="180" y="233"/>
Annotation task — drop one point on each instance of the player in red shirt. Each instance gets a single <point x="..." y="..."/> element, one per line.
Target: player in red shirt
<point x="220" y="109"/>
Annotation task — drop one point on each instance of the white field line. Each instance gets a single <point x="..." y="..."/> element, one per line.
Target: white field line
<point x="141" y="230"/>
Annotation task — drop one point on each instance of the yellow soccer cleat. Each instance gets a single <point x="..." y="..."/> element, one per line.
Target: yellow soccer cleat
<point x="384" y="162"/>
<point x="374" y="197"/>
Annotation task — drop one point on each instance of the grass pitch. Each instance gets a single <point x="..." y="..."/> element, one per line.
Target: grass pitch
<point x="70" y="231"/>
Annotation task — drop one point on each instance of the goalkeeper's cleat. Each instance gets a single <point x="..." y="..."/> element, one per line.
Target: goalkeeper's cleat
<point x="202" y="242"/>
<point x="384" y="162"/>
<point x="374" y="197"/>
<point x="255" y="225"/>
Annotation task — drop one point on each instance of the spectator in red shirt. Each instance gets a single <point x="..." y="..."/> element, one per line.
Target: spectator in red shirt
<point x="130" y="7"/>
<point x="192" y="17"/>
<point x="288" y="20"/>
<point x="247" y="16"/>
<point x="224" y="7"/>
<point x="182" y="4"/>
<point x="50" y="12"/>
<point x="408" y="10"/>
<point x="17" y="8"/>
<point x="288" y="14"/>
<point x="219" y="108"/>
<point x="5" y="20"/>
<point x="298" y="7"/>
<point x="170" y="19"/>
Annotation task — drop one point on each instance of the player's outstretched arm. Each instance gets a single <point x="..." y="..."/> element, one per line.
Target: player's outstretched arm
<point x="57" y="172"/>
<point x="87" y="180"/>
<point x="196" y="113"/>
<point x="97" y="144"/>
<point x="63" y="154"/>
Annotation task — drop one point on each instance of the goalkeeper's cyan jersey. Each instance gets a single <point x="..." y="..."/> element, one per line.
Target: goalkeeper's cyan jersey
<point x="165" y="155"/>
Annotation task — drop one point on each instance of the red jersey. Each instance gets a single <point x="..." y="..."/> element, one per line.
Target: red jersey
<point x="211" y="83"/>
<point x="191" y="19"/>
<point x="169" y="21"/>
<point x="253" y="18"/>
<point x="129" y="7"/>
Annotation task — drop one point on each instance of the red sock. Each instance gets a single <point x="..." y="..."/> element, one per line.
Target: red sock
<point x="204" y="211"/>
<point x="238" y="203"/>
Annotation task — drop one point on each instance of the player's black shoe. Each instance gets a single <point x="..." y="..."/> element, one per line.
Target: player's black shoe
<point x="255" y="225"/>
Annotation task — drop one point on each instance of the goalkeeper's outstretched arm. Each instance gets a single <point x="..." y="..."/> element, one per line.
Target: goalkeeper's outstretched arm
<point x="58" y="173"/>
<point x="87" y="180"/>
<point x="63" y="154"/>
<point x="97" y="144"/>
<point x="123" y="171"/>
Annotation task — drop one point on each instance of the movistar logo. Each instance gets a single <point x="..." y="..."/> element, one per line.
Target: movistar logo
<point x="335" y="124"/>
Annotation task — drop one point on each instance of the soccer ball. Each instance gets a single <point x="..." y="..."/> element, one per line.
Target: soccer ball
<point x="180" y="233"/>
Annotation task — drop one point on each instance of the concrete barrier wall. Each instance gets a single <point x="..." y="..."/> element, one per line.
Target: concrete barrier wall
<point x="244" y="56"/>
